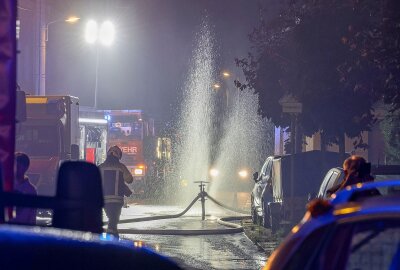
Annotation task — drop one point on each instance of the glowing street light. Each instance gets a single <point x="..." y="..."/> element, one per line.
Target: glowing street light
<point x="217" y="86"/>
<point x="105" y="34"/>
<point x="91" y="32"/>
<point x="226" y="74"/>
<point x="72" y="19"/>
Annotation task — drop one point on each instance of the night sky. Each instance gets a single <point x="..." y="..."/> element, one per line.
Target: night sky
<point x="147" y="65"/>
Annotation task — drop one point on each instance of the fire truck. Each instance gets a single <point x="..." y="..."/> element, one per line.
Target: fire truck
<point x="145" y="155"/>
<point x="49" y="135"/>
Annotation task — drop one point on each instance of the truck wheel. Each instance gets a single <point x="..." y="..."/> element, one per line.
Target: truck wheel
<point x="274" y="222"/>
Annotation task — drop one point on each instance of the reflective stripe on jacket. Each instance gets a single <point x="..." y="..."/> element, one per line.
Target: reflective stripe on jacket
<point x="114" y="175"/>
<point x="113" y="184"/>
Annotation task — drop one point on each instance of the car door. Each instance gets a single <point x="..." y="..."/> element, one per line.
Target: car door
<point x="263" y="178"/>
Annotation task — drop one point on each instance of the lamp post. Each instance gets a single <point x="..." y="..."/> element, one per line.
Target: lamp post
<point x="105" y="34"/>
<point x="44" y="37"/>
<point x="217" y="86"/>
<point x="291" y="106"/>
<point x="226" y="75"/>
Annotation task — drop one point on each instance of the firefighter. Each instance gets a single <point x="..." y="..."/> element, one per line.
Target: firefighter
<point x="115" y="175"/>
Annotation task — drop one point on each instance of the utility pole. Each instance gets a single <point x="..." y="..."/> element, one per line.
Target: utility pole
<point x="42" y="51"/>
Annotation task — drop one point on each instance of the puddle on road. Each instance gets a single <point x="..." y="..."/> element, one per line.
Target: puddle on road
<point x="207" y="252"/>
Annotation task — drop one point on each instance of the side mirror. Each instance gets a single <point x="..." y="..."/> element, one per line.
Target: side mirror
<point x="255" y="176"/>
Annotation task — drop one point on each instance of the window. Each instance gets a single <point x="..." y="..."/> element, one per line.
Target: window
<point x="39" y="140"/>
<point x="374" y="245"/>
<point x="370" y="244"/>
<point x="124" y="130"/>
<point x="306" y="256"/>
<point x="333" y="180"/>
<point x="324" y="185"/>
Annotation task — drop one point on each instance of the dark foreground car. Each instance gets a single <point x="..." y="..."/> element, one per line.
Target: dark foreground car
<point x="350" y="232"/>
<point x="49" y="248"/>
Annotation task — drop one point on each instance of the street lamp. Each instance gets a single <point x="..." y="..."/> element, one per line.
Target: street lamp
<point x="226" y="74"/>
<point x="44" y="37"/>
<point x="105" y="34"/>
<point x="216" y="86"/>
<point x="72" y="19"/>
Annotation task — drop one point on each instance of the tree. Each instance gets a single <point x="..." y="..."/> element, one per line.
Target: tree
<point x="391" y="132"/>
<point x="380" y="44"/>
<point x="308" y="52"/>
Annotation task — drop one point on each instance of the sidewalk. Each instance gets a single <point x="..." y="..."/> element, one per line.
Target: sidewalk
<point x="261" y="236"/>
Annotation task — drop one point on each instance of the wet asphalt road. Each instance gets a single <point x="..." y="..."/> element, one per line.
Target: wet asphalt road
<point x="234" y="251"/>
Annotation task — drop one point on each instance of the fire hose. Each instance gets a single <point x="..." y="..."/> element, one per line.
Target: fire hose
<point x="231" y="227"/>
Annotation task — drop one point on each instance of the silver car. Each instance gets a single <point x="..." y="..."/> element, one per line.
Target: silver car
<point x="260" y="197"/>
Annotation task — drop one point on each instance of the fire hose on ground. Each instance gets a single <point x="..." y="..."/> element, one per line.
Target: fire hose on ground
<point x="231" y="227"/>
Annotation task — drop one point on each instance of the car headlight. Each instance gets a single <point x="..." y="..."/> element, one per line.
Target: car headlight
<point x="243" y="173"/>
<point x="184" y="183"/>
<point x="214" y="172"/>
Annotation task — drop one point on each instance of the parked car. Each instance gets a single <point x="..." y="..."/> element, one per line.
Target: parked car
<point x="332" y="178"/>
<point x="274" y="200"/>
<point x="336" y="175"/>
<point x="348" y="232"/>
<point x="260" y="196"/>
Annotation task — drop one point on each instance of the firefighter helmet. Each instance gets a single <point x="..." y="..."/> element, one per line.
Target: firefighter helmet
<point x="115" y="151"/>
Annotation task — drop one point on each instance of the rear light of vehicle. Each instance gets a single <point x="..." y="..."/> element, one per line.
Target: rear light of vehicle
<point x="138" y="172"/>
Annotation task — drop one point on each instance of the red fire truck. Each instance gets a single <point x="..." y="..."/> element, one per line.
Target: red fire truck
<point x="49" y="135"/>
<point x="134" y="133"/>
